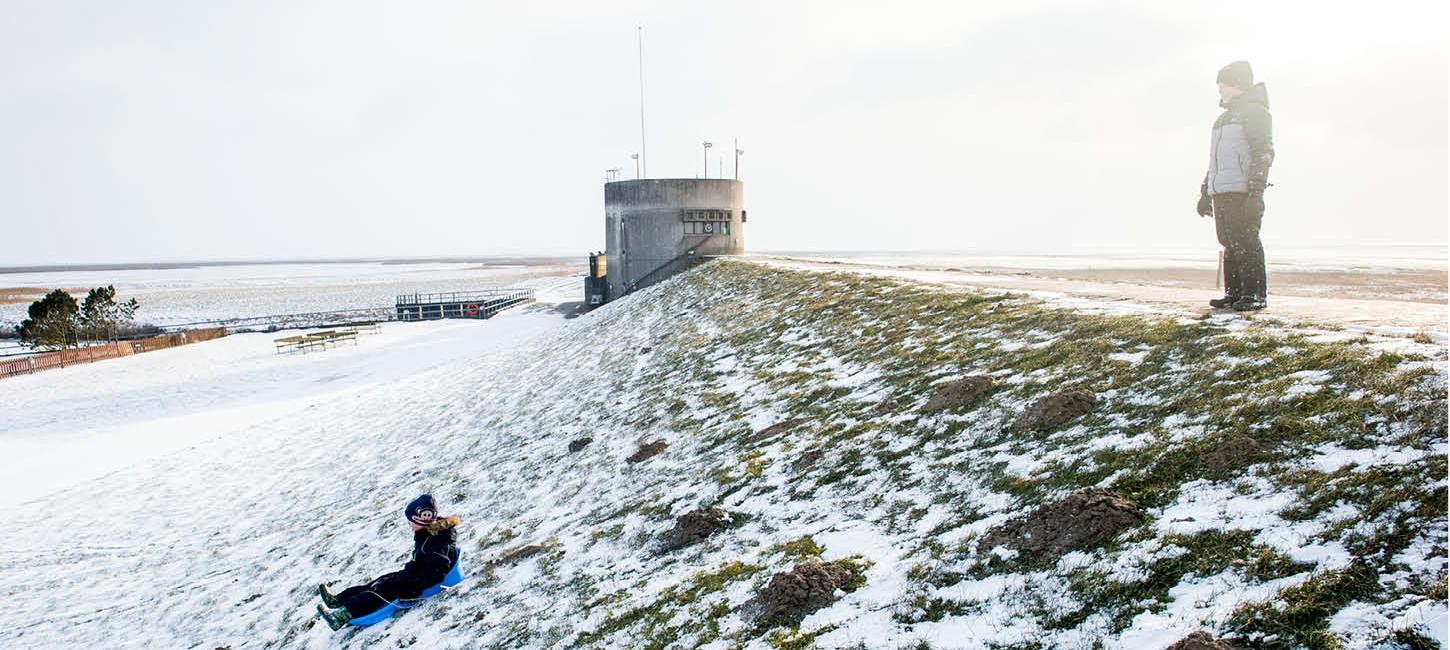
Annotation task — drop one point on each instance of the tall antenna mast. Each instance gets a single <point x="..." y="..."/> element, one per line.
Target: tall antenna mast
<point x="644" y="168"/>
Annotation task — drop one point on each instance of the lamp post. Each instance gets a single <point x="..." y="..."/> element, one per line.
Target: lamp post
<point x="636" y="165"/>
<point x="642" y="148"/>
<point x="707" y="158"/>
<point x="738" y="152"/>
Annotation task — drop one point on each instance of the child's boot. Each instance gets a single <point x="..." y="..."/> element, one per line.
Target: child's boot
<point x="328" y="598"/>
<point x="336" y="618"/>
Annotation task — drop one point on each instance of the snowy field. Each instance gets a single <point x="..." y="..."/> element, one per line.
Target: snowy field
<point x="203" y="293"/>
<point x="176" y="398"/>
<point x="194" y="497"/>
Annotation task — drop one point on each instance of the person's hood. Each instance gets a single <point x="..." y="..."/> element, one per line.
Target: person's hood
<point x="1259" y="94"/>
<point x="441" y="524"/>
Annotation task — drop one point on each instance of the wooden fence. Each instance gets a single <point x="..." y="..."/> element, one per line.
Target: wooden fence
<point x="63" y="358"/>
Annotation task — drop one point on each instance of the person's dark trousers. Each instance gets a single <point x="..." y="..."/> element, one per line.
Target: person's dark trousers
<point x="366" y="599"/>
<point x="1237" y="217"/>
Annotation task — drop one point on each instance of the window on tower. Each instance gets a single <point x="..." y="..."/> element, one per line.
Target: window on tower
<point x="707" y="227"/>
<point x="706" y="221"/>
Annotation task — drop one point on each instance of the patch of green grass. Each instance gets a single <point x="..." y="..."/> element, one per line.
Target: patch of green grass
<point x="1413" y="640"/>
<point x="754" y="463"/>
<point x="1403" y="501"/>
<point x="1299" y="616"/>
<point x="722" y="475"/>
<point x="797" y="550"/>
<point x="927" y="609"/>
<point x="651" y="623"/>
<point x="902" y="515"/>
<point x="793" y="638"/>
<point x="609" y="532"/>
<point x="1204" y="554"/>
<point x="501" y="536"/>
<point x="849" y="463"/>
<point x="548" y="561"/>
<point x="857" y="566"/>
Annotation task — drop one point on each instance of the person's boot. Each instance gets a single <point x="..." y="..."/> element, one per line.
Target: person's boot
<point x="1225" y="302"/>
<point x="328" y="598"/>
<point x="1250" y="303"/>
<point x="335" y="618"/>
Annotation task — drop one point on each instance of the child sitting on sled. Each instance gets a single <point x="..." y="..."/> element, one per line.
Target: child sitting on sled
<point x="433" y="554"/>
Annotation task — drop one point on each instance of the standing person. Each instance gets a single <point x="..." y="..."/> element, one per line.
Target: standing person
<point x="1240" y="153"/>
<point x="434" y="551"/>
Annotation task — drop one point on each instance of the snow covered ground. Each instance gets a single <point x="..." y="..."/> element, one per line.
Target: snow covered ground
<point x="201" y="293"/>
<point x="176" y="398"/>
<point x="194" y="497"/>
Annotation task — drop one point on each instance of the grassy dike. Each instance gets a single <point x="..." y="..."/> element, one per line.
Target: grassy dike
<point x="1294" y="480"/>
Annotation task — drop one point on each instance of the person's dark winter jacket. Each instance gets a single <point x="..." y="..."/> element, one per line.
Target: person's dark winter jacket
<point x="1242" y="148"/>
<point x="434" y="551"/>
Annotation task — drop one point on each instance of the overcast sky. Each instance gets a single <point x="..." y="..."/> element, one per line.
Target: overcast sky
<point x="219" y="130"/>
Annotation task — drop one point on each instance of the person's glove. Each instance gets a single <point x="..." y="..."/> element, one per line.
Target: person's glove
<point x="1205" y="204"/>
<point x="1254" y="202"/>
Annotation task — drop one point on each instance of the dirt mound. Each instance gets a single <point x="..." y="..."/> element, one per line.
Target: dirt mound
<point x="694" y="526"/>
<point x="518" y="554"/>
<point x="1234" y="453"/>
<point x="963" y="393"/>
<point x="888" y="406"/>
<point x="1055" y="410"/>
<point x="776" y="429"/>
<point x="1201" y="641"/>
<point x="647" y="451"/>
<point x="579" y="444"/>
<point x="807" y="459"/>
<point x="1082" y="519"/>
<point x="793" y="594"/>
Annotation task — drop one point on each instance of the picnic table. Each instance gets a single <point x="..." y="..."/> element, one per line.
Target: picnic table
<point x="315" y="341"/>
<point x="363" y="327"/>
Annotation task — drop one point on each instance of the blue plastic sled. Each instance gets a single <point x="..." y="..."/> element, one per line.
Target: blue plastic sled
<point x="455" y="576"/>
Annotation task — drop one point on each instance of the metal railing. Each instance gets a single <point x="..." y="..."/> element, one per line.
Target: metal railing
<point x="294" y="321"/>
<point x="462" y="296"/>
<point x="682" y="262"/>
<point x="459" y="304"/>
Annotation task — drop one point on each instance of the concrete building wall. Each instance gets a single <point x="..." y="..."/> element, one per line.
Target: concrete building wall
<point x="645" y="224"/>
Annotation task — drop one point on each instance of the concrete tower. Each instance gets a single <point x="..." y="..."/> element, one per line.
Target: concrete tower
<point x="656" y="227"/>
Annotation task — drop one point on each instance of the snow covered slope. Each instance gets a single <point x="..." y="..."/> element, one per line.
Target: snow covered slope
<point x="1292" y="484"/>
